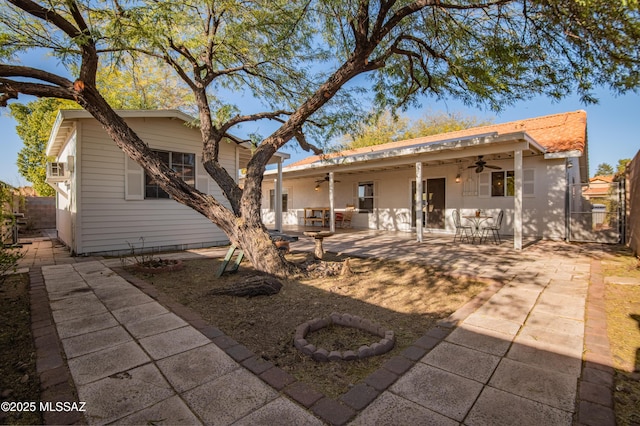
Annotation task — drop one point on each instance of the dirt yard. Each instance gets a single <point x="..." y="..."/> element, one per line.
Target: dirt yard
<point x="18" y="377"/>
<point x="405" y="298"/>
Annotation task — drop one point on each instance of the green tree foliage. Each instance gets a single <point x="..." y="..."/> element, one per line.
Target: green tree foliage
<point x="300" y="63"/>
<point x="142" y="83"/>
<point x="125" y="85"/>
<point x="377" y="130"/>
<point x="35" y="121"/>
<point x="604" y="169"/>
<point x="622" y="166"/>
<point x="441" y="122"/>
<point x="388" y="127"/>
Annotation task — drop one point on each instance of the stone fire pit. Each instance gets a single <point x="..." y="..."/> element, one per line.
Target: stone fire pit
<point x="385" y="344"/>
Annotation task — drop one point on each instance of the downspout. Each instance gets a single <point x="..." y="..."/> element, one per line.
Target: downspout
<point x="278" y="197"/>
<point x="567" y="200"/>
<point x="332" y="215"/>
<point x="418" y="204"/>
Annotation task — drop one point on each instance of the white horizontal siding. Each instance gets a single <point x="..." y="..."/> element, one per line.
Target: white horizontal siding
<point x="109" y="223"/>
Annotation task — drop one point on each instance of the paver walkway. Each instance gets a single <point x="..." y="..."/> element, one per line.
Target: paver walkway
<point x="514" y="357"/>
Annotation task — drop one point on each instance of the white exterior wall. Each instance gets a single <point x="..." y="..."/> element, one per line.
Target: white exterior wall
<point x="109" y="223"/>
<point x="543" y="212"/>
<point x="66" y="206"/>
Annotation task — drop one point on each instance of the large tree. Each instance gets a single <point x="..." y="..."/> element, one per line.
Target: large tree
<point x="301" y="59"/>
<point x="35" y="120"/>
<point x="125" y="85"/>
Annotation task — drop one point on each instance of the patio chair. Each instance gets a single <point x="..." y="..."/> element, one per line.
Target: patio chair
<point x="345" y="217"/>
<point x="462" y="231"/>
<point x="493" y="228"/>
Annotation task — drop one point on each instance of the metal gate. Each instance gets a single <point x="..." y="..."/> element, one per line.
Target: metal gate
<point x="599" y="218"/>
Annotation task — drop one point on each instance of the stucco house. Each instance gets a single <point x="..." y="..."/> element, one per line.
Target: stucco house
<point x="599" y="188"/>
<point x="106" y="203"/>
<point x="530" y="169"/>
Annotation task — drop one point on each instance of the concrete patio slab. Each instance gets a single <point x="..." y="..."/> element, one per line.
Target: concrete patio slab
<point x="124" y="393"/>
<point x="131" y="299"/>
<point x="499" y="408"/>
<point x="171" y="411"/>
<point x="112" y="280"/>
<point x="95" y="341"/>
<point x="510" y="304"/>
<point x="195" y="367"/>
<point x="497" y="324"/>
<point x="279" y="412"/>
<point x="538" y="384"/>
<point x="195" y="382"/>
<point x="97" y="365"/>
<point x="76" y="307"/>
<point x="438" y="390"/>
<point x="481" y="339"/>
<point x="217" y="403"/>
<point x="62" y="288"/>
<point x="565" y="306"/>
<point x="390" y="409"/>
<point x="155" y="325"/>
<point x="465" y="362"/>
<point x="545" y="358"/>
<point x="138" y="313"/>
<point x="86" y="324"/>
<point x="562" y="343"/>
<point x="172" y="342"/>
<point x="541" y="319"/>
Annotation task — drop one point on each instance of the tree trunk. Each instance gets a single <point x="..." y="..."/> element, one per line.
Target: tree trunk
<point x="245" y="230"/>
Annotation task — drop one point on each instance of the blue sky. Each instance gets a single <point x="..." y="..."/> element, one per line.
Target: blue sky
<point x="613" y="127"/>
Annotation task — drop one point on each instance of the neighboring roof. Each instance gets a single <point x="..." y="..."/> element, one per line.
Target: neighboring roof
<point x="565" y="132"/>
<point x="64" y="124"/>
<point x="603" y="178"/>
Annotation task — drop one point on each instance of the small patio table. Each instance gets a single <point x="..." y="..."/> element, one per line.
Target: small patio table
<point x="318" y="236"/>
<point x="476" y="221"/>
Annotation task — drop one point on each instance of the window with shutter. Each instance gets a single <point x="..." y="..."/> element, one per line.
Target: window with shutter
<point x="133" y="180"/>
<point x="484" y="185"/>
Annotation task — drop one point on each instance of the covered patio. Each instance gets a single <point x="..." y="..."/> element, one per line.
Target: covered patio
<point x="401" y="245"/>
<point x="412" y="187"/>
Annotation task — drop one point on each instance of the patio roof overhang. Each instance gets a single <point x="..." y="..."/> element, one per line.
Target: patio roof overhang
<point x="446" y="151"/>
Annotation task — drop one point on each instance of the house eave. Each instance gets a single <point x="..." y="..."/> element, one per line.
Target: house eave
<point x="421" y="149"/>
<point x="562" y="154"/>
<point x="65" y="121"/>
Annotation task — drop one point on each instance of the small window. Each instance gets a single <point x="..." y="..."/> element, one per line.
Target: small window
<point x="502" y="184"/>
<point x="183" y="164"/>
<point x="272" y="200"/>
<point x="365" y="197"/>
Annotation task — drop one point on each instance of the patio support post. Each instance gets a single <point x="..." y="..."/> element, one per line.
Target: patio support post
<point x="517" y="200"/>
<point x="332" y="216"/>
<point x="278" y="196"/>
<point x="418" y="202"/>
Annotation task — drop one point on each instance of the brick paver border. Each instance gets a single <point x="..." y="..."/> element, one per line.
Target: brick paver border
<point x="594" y="404"/>
<point x="594" y="400"/>
<point x="335" y="412"/>
<point x="56" y="384"/>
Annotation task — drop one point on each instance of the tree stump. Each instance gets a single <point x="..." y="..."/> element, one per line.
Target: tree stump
<point x="346" y="269"/>
<point x="257" y="285"/>
<point x="318" y="236"/>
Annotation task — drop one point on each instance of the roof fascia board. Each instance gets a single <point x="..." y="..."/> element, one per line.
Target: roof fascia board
<point x="54" y="133"/>
<point x="247" y="145"/>
<point x="75" y="114"/>
<point x="562" y="154"/>
<point x="435" y="150"/>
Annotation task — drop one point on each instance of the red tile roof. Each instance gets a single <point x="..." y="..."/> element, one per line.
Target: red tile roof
<point x="556" y="133"/>
<point x="604" y="178"/>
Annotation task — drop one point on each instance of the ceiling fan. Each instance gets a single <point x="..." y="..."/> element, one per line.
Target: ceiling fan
<point x="325" y="179"/>
<point x="481" y="164"/>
